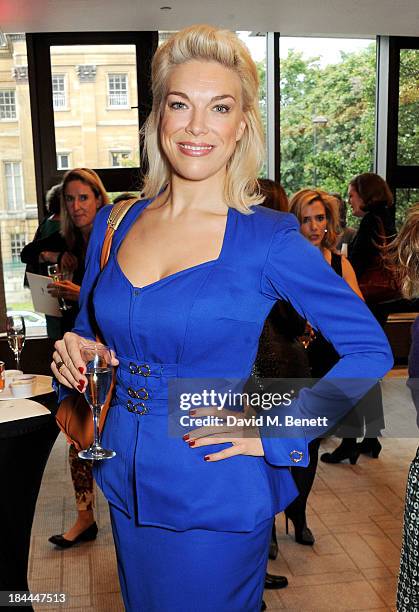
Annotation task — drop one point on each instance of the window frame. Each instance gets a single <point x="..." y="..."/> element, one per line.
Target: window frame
<point x="15" y="209"/>
<point x="119" y="152"/>
<point x="65" y="107"/>
<point x="19" y="243"/>
<point x="9" y="119"/>
<point x="59" y="166"/>
<point x="116" y="107"/>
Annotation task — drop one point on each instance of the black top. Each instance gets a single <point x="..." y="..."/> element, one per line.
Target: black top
<point x="280" y="355"/>
<point x="375" y="227"/>
<point x="57" y="244"/>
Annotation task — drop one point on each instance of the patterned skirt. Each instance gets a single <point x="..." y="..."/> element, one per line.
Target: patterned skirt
<point x="408" y="587"/>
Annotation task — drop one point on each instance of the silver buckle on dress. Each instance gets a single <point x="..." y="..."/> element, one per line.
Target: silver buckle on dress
<point x="142" y="369"/>
<point x="141" y="394"/>
<point x="139" y="408"/>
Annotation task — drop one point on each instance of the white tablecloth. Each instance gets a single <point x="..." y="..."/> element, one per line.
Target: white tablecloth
<point x="16" y="409"/>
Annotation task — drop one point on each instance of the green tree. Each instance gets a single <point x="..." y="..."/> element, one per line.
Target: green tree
<point x="344" y="93"/>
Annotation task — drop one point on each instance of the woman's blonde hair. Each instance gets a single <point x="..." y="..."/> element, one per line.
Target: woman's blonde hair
<point x="90" y="178"/>
<point x="402" y="254"/>
<point x="331" y="206"/>
<point x="206" y="43"/>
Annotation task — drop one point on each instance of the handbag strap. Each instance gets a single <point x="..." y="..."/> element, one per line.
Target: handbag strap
<point x="116" y="215"/>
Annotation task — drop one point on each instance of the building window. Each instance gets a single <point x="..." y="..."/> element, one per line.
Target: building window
<point x="118" y="90"/>
<point x="17" y="242"/>
<point x="119" y="157"/>
<point x="63" y="161"/>
<point x="58" y="92"/>
<point x="14" y="185"/>
<point x="7" y="104"/>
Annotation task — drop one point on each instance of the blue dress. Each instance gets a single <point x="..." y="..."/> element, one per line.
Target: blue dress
<point x="193" y="535"/>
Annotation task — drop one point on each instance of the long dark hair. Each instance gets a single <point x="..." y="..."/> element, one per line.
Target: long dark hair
<point x="373" y="190"/>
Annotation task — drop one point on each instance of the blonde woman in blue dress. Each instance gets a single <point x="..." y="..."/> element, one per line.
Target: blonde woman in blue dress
<point x="195" y="269"/>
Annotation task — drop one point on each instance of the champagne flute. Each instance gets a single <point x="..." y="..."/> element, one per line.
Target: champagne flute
<point x="16" y="334"/>
<point x="98" y="360"/>
<point x="57" y="276"/>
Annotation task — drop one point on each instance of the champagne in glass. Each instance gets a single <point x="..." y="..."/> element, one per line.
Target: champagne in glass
<point x="57" y="276"/>
<point x="98" y="362"/>
<point x="16" y="334"/>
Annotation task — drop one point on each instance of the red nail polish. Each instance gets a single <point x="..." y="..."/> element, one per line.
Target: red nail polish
<point x="192" y="443"/>
<point x="206" y="458"/>
<point x="80" y="387"/>
<point x="81" y="370"/>
<point x="185" y="437"/>
<point x="192" y="412"/>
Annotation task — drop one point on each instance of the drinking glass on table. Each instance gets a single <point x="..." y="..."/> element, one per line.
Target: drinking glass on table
<point x="57" y="276"/>
<point x="98" y="360"/>
<point x="16" y="334"/>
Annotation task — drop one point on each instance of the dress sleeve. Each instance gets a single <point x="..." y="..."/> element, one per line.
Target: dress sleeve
<point x="297" y="272"/>
<point x="85" y="322"/>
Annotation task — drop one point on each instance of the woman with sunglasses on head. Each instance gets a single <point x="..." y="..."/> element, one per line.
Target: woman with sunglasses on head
<point x="197" y="267"/>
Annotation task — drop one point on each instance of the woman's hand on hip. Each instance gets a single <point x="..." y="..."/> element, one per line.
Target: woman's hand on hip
<point x="68" y="366"/>
<point x="244" y="438"/>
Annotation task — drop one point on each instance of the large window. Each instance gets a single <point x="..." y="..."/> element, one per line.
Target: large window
<point x="327" y="116"/>
<point x="90" y="94"/>
<point x="88" y="75"/>
<point x="7" y="104"/>
<point x="59" y="98"/>
<point x="14" y="185"/>
<point x="18" y="202"/>
<point x="103" y="72"/>
<point x="118" y="90"/>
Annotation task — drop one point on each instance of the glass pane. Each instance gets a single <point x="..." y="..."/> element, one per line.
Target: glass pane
<point x="95" y="103"/>
<point x="327" y="88"/>
<point x="18" y="206"/>
<point x="404" y="198"/>
<point x="408" y="124"/>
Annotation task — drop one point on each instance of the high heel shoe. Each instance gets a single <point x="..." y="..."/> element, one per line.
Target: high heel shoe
<point x="87" y="535"/>
<point x="275" y="582"/>
<point x="370" y="446"/>
<point x="303" y="534"/>
<point x="347" y="449"/>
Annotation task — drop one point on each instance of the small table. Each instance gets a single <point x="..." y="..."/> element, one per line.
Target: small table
<point x="27" y="434"/>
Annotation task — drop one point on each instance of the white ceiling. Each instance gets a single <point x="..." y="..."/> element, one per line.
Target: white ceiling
<point x="358" y="18"/>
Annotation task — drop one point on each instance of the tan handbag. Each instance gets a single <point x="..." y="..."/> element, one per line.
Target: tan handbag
<point x="74" y="416"/>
